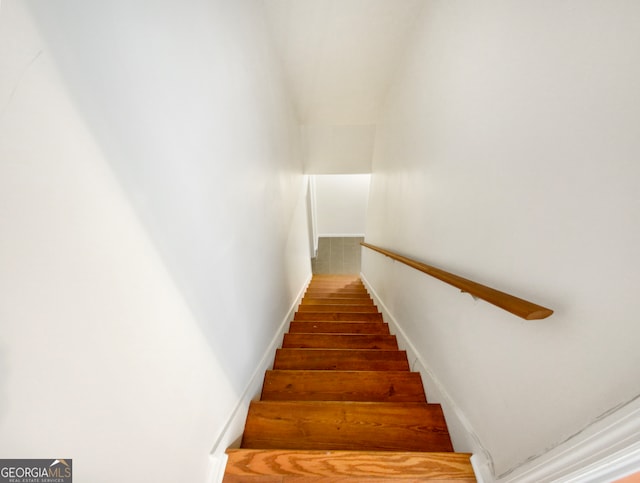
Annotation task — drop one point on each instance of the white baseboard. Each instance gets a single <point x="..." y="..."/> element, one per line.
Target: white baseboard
<point x="217" y="465"/>
<point x="463" y="436"/>
<point x="232" y="430"/>
<point x="605" y="451"/>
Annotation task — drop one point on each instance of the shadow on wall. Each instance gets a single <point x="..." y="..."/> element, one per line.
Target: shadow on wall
<point x="188" y="138"/>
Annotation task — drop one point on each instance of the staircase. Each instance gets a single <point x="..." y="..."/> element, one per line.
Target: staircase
<point x="341" y="404"/>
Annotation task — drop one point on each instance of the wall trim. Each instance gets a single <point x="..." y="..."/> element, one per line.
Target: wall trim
<point x="234" y="426"/>
<point x="340" y="235"/>
<point x="482" y="462"/>
<point x="606" y="450"/>
<point x="217" y="465"/>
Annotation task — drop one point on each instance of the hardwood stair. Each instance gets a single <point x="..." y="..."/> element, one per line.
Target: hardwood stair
<point x="380" y="386"/>
<point x="323" y="327"/>
<point x="341" y="404"/>
<point x="276" y="466"/>
<point x="339" y="341"/>
<point x="341" y="360"/>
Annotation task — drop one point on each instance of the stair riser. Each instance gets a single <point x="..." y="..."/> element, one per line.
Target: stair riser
<point x="338" y="316"/>
<point x="376" y="386"/>
<point x="337" y="286"/>
<point x="341" y="360"/>
<point x="340" y="341"/>
<point x="365" y="309"/>
<point x="314" y="301"/>
<point x="342" y="282"/>
<point x="346" y="426"/>
<point x="333" y="295"/>
<point x="339" y="327"/>
<point x="329" y="288"/>
<point x="326" y="283"/>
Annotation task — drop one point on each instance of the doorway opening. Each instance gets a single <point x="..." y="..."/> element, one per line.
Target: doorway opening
<point x="339" y="210"/>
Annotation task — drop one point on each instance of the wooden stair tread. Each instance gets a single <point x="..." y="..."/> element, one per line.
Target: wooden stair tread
<point x="337" y="295"/>
<point x="380" y="386"/>
<point x="338" y="308"/>
<point x="324" y="327"/>
<point x="325" y="290"/>
<point x="354" y="464"/>
<point x="339" y="291"/>
<point x="336" y="285"/>
<point x="333" y="295"/>
<point x="340" y="341"/>
<point x="335" y="425"/>
<point x="339" y="316"/>
<point x="336" y="301"/>
<point x="345" y="281"/>
<point x="341" y="359"/>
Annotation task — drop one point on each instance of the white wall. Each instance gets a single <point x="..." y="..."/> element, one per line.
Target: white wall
<point x="508" y="153"/>
<point x="340" y="55"/>
<point x="153" y="229"/>
<point x="341" y="204"/>
<point x="333" y="149"/>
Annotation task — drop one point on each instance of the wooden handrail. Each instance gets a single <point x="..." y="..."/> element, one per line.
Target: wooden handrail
<point x="517" y="306"/>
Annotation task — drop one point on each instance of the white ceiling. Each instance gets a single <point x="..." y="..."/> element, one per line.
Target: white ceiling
<point x="340" y="55"/>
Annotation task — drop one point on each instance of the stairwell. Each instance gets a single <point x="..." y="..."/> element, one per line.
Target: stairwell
<point x="341" y="404"/>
